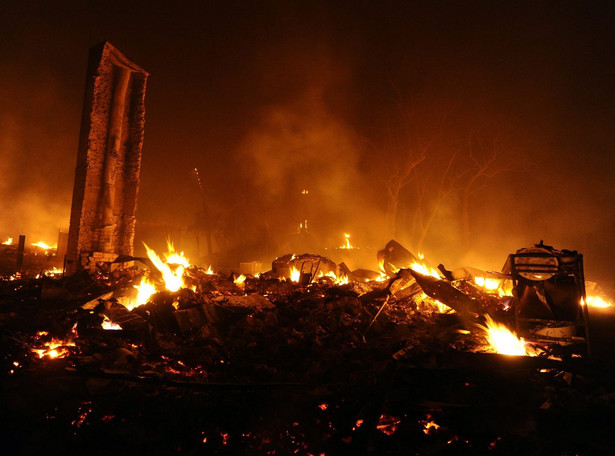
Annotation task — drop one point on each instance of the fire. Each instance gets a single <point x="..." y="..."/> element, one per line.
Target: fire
<point x="341" y="280"/>
<point x="425" y="270"/>
<point x="172" y="257"/>
<point x="9" y="241"/>
<point x="503" y="341"/>
<point x="429" y="425"/>
<point x="346" y="244"/>
<point x="145" y="290"/>
<point x="294" y="274"/>
<point x="383" y="275"/>
<point x="54" y="349"/>
<point x="597" y="301"/>
<point x="173" y="277"/>
<point x="209" y="271"/>
<point x="494" y="285"/>
<point x="429" y="304"/>
<point x="488" y="283"/>
<point x="109" y="325"/>
<point x="43" y="245"/>
<point x="240" y="281"/>
<point x="388" y="424"/>
<point x="53" y="271"/>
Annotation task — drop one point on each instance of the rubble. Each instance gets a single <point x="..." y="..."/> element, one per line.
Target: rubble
<point x="276" y="366"/>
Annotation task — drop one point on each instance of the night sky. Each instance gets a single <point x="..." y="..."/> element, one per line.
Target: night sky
<point x="269" y="98"/>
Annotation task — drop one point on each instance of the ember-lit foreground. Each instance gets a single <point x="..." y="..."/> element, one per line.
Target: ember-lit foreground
<point x="309" y="359"/>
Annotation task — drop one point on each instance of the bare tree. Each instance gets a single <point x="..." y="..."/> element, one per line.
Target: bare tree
<point x="432" y="192"/>
<point x="482" y="164"/>
<point x="415" y="143"/>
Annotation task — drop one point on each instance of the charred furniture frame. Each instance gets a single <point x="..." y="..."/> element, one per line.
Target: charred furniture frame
<point x="549" y="291"/>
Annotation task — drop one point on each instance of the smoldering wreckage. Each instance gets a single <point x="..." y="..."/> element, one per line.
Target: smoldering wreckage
<point x="117" y="353"/>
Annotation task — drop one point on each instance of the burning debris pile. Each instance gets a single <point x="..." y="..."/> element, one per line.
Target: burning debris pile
<point x="308" y="358"/>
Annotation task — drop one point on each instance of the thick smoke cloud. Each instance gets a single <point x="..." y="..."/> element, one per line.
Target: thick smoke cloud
<point x="267" y="100"/>
<point x="37" y="156"/>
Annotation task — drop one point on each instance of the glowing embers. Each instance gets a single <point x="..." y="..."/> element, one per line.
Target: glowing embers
<point x="53" y="272"/>
<point x="430" y="427"/>
<point x="172" y="269"/>
<point x="425" y="303"/>
<point x="504" y="341"/>
<point x="54" y="348"/>
<point x="388" y="424"/>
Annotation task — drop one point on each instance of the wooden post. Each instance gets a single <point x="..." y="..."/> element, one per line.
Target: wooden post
<point x="21" y="246"/>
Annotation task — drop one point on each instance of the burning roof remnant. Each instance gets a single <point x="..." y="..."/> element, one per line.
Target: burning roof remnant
<point x="281" y="363"/>
<point x="109" y="159"/>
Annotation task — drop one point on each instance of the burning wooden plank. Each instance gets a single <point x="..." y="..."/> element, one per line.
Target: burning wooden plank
<point x="444" y="292"/>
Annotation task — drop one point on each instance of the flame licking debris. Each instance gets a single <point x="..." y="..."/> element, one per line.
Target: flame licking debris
<point x="295" y="274"/>
<point x="597" y="301"/>
<point x="240" y="281"/>
<point x="145" y="290"/>
<point x="44" y="246"/>
<point x="216" y="309"/>
<point x="503" y="341"/>
<point x="172" y="269"/>
<point x="54" y="348"/>
<point x="9" y="241"/>
<point x="109" y="325"/>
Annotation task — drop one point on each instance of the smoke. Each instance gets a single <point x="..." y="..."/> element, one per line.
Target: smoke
<point x="37" y="153"/>
<point x="301" y="145"/>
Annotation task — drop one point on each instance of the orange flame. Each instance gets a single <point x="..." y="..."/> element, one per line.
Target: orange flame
<point x="428" y="304"/>
<point x="240" y="281"/>
<point x="44" y="246"/>
<point x="341" y="280"/>
<point x="597" y="301"/>
<point x="54" y="349"/>
<point x="109" y="325"/>
<point x="145" y="290"/>
<point x="425" y="270"/>
<point x="9" y="241"/>
<point x="346" y="244"/>
<point x="173" y="277"/>
<point x="504" y="341"/>
<point x="494" y="285"/>
<point x="53" y="272"/>
<point x="295" y="274"/>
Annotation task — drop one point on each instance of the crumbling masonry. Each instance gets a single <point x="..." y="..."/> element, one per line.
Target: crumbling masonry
<point x="102" y="221"/>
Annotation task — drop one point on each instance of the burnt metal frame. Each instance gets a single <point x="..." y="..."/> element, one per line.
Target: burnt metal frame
<point x="572" y="268"/>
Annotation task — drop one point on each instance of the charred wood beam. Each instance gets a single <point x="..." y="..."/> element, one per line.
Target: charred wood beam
<point x="20" y="251"/>
<point x="395" y="256"/>
<point x="449" y="295"/>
